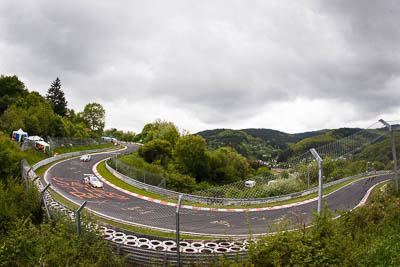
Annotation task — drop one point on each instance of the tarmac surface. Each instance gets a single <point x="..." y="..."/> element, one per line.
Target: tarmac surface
<point x="66" y="178"/>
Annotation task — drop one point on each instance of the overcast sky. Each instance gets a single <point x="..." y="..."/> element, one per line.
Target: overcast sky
<point x="287" y="65"/>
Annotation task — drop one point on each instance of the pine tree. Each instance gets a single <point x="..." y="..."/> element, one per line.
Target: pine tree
<point x="56" y="98"/>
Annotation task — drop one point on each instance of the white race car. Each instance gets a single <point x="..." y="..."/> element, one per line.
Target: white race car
<point x="93" y="181"/>
<point x="86" y="158"/>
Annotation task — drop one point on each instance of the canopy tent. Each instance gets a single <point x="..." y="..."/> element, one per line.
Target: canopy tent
<point x="19" y="135"/>
<point x="42" y="145"/>
<point x="35" y="138"/>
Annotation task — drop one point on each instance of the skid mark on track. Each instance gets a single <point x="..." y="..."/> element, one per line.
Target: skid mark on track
<point x="224" y="223"/>
<point x="139" y="210"/>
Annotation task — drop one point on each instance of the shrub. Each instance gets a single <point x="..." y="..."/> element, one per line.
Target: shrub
<point x="180" y="182"/>
<point x="17" y="202"/>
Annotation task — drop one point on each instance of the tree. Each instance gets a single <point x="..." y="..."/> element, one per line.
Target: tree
<point x="156" y="150"/>
<point x="163" y="130"/>
<point x="229" y="166"/>
<point x="56" y="98"/>
<point x="11" y="89"/>
<point x="94" y="117"/>
<point x="10" y="158"/>
<point x="192" y="157"/>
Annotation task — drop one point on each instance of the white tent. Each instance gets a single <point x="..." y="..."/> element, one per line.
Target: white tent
<point x="17" y="135"/>
<point x="35" y="138"/>
<point x="43" y="145"/>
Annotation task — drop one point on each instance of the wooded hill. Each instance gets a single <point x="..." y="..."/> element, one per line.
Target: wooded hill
<point x="267" y="144"/>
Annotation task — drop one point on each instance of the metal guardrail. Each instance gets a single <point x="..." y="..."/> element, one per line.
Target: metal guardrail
<point x="134" y="254"/>
<point x="66" y="155"/>
<point x="146" y="257"/>
<point x="228" y="201"/>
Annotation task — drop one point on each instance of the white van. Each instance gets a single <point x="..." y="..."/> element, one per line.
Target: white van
<point x="250" y="184"/>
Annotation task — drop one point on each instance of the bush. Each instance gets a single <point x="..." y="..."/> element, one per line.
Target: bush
<point x="368" y="236"/>
<point x="180" y="182"/>
<point x="54" y="244"/>
<point x="17" y="202"/>
<point x="135" y="161"/>
<point x="10" y="158"/>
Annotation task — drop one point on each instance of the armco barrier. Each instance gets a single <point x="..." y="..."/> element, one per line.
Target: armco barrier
<point x="145" y="252"/>
<point x="67" y="155"/>
<point x="228" y="201"/>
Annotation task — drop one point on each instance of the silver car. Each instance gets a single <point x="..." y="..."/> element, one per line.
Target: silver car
<point x="93" y="181"/>
<point x="86" y="158"/>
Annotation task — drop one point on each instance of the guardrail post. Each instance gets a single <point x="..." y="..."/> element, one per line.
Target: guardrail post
<point x="178" y="252"/>
<point x="44" y="201"/>
<point x="78" y="217"/>
<point x="318" y="158"/>
<point x="27" y="178"/>
<point x="396" y="175"/>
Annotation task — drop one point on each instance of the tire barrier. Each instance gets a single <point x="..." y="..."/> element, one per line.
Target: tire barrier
<point x="144" y="251"/>
<point x="131" y="243"/>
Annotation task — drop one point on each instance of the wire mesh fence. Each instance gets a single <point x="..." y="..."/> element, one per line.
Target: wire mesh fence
<point x="142" y="176"/>
<point x="301" y="172"/>
<point x="75" y="141"/>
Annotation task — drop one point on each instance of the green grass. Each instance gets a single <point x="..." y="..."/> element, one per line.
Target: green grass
<point x="377" y="189"/>
<point x="69" y="149"/>
<point x="131" y="228"/>
<point x="111" y="178"/>
<point x="34" y="156"/>
<point x="114" y="180"/>
<point x="101" y="168"/>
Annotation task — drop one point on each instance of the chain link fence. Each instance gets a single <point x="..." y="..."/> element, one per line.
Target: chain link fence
<point x="137" y="248"/>
<point x="292" y="178"/>
<point x="142" y="176"/>
<point x="55" y="142"/>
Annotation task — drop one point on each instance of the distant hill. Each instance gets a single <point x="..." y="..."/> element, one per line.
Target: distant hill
<point x="253" y="143"/>
<point x="279" y="139"/>
<point x="267" y="144"/>
<point x="306" y="144"/>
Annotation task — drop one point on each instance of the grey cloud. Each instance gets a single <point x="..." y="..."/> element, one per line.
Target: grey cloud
<point x="221" y="61"/>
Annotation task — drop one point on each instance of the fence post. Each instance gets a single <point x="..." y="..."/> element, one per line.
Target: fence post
<point x="178" y="252"/>
<point x="44" y="201"/>
<point x="78" y="217"/>
<point x="396" y="175"/>
<point x="308" y="175"/>
<point x="318" y="158"/>
<point x="25" y="176"/>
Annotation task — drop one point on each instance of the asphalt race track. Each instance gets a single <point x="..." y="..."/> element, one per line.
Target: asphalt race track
<point x="66" y="178"/>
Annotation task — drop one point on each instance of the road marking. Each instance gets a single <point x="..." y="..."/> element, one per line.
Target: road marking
<point x="211" y="209"/>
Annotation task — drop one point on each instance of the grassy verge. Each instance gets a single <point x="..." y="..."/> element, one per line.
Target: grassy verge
<point x="69" y="149"/>
<point x="34" y="156"/>
<point x="377" y="189"/>
<point x="131" y="228"/>
<point x="114" y="180"/>
<point x="101" y="168"/>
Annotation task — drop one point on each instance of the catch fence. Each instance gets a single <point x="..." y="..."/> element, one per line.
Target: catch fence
<point x="296" y="177"/>
<point x="139" y="249"/>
